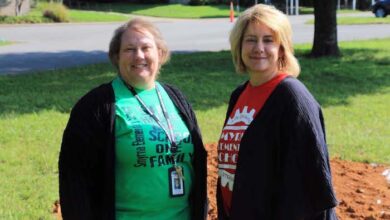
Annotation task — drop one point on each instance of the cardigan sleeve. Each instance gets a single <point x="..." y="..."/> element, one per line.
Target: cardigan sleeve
<point x="78" y="161"/>
<point x="198" y="196"/>
<point x="305" y="184"/>
<point x="222" y="215"/>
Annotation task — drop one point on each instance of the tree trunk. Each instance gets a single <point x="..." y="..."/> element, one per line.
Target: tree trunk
<point x="325" y="29"/>
<point x="18" y="7"/>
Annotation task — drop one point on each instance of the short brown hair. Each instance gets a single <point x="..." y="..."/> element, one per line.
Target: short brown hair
<point x="138" y="24"/>
<point x="278" y="23"/>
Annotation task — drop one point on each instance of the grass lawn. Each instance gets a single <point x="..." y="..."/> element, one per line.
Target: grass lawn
<point x="166" y="10"/>
<point x="35" y="16"/>
<point x="362" y="20"/>
<point x="350" y="20"/>
<point x="96" y="16"/>
<point x="354" y="92"/>
<point x="4" y="43"/>
<point x="122" y="12"/>
<point x="310" y="10"/>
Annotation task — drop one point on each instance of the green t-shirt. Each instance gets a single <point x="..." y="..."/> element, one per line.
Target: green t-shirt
<point x="143" y="157"/>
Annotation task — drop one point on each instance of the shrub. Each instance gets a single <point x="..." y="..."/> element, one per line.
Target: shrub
<point x="25" y="19"/>
<point x="56" y="11"/>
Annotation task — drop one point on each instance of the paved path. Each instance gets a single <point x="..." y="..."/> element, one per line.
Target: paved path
<point x="50" y="46"/>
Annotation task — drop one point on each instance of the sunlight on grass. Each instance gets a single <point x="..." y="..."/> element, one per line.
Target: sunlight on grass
<point x="184" y="11"/>
<point x="35" y="16"/>
<point x="108" y="12"/>
<point x="4" y="43"/>
<point x="357" y="20"/>
<point x="362" y="126"/>
<point x="29" y="147"/>
<point x="94" y="16"/>
<point x="362" y="20"/>
<point x="165" y="10"/>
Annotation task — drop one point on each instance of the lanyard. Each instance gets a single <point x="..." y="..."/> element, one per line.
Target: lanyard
<point x="170" y="135"/>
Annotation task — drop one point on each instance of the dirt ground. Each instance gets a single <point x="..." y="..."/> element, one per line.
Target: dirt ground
<point x="361" y="189"/>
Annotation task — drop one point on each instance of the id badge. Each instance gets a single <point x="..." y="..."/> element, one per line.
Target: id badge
<point x="176" y="184"/>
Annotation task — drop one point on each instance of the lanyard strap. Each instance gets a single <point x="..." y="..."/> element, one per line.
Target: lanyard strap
<point x="170" y="135"/>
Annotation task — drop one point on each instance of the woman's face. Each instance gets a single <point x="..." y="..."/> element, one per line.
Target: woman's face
<point x="260" y="52"/>
<point x="139" y="58"/>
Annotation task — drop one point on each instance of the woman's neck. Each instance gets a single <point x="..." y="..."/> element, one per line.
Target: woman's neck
<point x="148" y="86"/>
<point x="256" y="79"/>
<point x="140" y="85"/>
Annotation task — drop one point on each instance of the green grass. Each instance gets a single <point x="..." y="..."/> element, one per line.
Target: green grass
<point x="4" y="42"/>
<point x="306" y="10"/>
<point x="35" y="16"/>
<point x="28" y="170"/>
<point x="354" y="91"/>
<point x="355" y="94"/>
<point x="363" y="20"/>
<point x="164" y="10"/>
<point x="96" y="16"/>
<point x="122" y="12"/>
<point x="310" y="10"/>
<point x="348" y="11"/>
<point x="177" y="10"/>
<point x="358" y="20"/>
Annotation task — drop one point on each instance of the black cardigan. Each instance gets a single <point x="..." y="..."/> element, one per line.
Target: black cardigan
<point x="87" y="157"/>
<point x="283" y="169"/>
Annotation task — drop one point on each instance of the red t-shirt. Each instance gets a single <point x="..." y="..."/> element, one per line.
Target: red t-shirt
<point x="248" y="105"/>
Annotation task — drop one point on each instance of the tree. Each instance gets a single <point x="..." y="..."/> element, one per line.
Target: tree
<point x="18" y="7"/>
<point x="325" y="29"/>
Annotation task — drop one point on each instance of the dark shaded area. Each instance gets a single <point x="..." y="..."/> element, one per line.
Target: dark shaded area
<point x="207" y="79"/>
<point x="344" y="77"/>
<point x="325" y="29"/>
<point x="16" y="63"/>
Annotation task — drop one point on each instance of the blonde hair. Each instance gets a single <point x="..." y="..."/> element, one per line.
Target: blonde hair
<point x="140" y="25"/>
<point x="281" y="27"/>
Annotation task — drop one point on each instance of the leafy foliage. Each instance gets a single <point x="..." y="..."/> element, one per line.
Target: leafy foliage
<point x="32" y="18"/>
<point x="56" y="12"/>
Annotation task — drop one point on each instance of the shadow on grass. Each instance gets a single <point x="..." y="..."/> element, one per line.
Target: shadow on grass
<point x="56" y="89"/>
<point x="207" y="79"/>
<point x="15" y="63"/>
<point x="358" y="72"/>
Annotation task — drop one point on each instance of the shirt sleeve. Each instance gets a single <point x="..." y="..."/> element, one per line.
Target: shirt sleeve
<point x="78" y="163"/>
<point x="305" y="183"/>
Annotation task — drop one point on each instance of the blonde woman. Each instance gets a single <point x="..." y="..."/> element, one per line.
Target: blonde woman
<point x="272" y="153"/>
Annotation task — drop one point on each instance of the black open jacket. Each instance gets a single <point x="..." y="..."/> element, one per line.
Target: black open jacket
<point x="87" y="157"/>
<point x="283" y="169"/>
